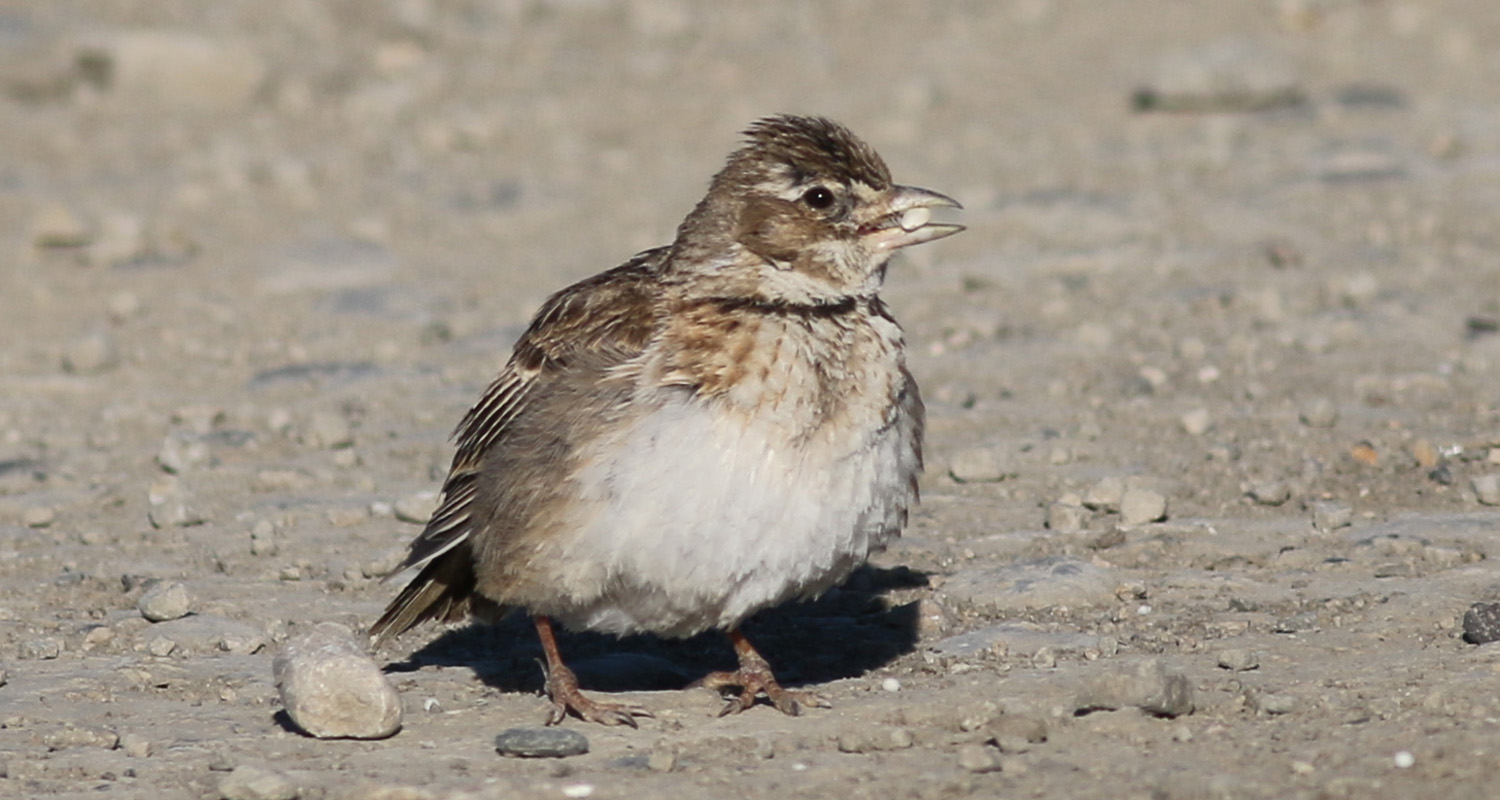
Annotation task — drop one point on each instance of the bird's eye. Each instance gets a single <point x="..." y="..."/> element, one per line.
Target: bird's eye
<point x="818" y="197"/>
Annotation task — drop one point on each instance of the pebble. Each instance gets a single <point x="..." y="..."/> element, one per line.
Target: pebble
<point x="328" y="431"/>
<point x="332" y="689"/>
<point x="91" y="354"/>
<point x="978" y="465"/>
<point x="263" y="539"/>
<point x="165" y="601"/>
<point x="247" y="782"/>
<point x="38" y="516"/>
<point x="541" y="743"/>
<point x="1276" y="703"/>
<point x="210" y="633"/>
<point x="44" y="649"/>
<point x="161" y="646"/>
<point x="874" y="739"/>
<point x="1066" y="517"/>
<point x="1318" y="412"/>
<point x="74" y="738"/>
<point x="135" y="745"/>
<point x="979" y="758"/>
<point x="1196" y="422"/>
<point x="1147" y="684"/>
<point x="1328" y="515"/>
<point x="891" y="685"/>
<point x="170" y="504"/>
<point x="1270" y="493"/>
<point x="1482" y="623"/>
<point x="177" y="70"/>
<point x="1239" y="660"/>
<point x="416" y="508"/>
<point x="1487" y="488"/>
<point x="1042" y="583"/>
<point x="181" y="451"/>
<point x="1016" y="733"/>
<point x="1106" y="494"/>
<point x="1139" y="506"/>
<point x="121" y="240"/>
<point x="663" y="758"/>
<point x="58" y="226"/>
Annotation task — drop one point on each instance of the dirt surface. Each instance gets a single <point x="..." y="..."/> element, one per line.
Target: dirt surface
<point x="1237" y="257"/>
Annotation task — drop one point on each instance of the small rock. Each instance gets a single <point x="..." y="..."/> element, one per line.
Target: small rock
<point x="1330" y="515"/>
<point x="541" y="743"/>
<point x="165" y="601"/>
<point x="1482" y="623"/>
<point x="175" y="70"/>
<point x="329" y="431"/>
<point x="332" y="689"/>
<point x="978" y="465"/>
<point x="979" y="758"/>
<point x="1319" y="412"/>
<point x="1365" y="453"/>
<point x="263" y="539"/>
<point x="135" y="745"/>
<point x="1487" y="488"/>
<point x="1066" y="517"/>
<point x="1106" y="494"/>
<point x="121" y="240"/>
<point x="1270" y="493"/>
<point x="874" y="739"/>
<point x="74" y="738"/>
<point x="663" y="758"/>
<point x="1147" y="685"/>
<point x="1239" y="660"/>
<point x="416" y="508"/>
<point x="1016" y="733"/>
<point x="170" y="504"/>
<point x="1196" y="422"/>
<point x="181" y="451"/>
<point x="59" y="226"/>
<point x="44" y="649"/>
<point x="1276" y="703"/>
<point x="91" y="354"/>
<point x="161" y="647"/>
<point x="38" y="516"/>
<point x="1140" y="506"/>
<point x="1425" y="454"/>
<point x="1228" y="75"/>
<point x="246" y="782"/>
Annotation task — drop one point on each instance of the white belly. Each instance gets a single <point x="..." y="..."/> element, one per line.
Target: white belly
<point x="697" y="520"/>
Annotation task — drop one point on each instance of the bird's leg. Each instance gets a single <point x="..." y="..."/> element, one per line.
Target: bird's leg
<point x="562" y="687"/>
<point x="754" y="678"/>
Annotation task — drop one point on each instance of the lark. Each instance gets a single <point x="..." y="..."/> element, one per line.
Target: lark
<point x="713" y="428"/>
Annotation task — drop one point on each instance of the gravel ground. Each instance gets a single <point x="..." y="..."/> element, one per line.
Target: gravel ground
<point x="1214" y="464"/>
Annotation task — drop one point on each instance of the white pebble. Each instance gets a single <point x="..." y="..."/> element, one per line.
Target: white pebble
<point x="1404" y="759"/>
<point x="891" y="685"/>
<point x="578" y="790"/>
<point x="915" y="218"/>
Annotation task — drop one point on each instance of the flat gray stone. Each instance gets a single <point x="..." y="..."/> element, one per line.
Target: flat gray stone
<point x="165" y="601"/>
<point x="332" y="689"/>
<point x="1043" y="583"/>
<point x="541" y="743"/>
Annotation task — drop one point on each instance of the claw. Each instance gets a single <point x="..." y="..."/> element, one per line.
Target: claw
<point x="562" y="688"/>
<point x="754" y="678"/>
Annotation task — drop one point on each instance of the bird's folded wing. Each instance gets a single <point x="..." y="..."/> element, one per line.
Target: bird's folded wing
<point x="603" y="320"/>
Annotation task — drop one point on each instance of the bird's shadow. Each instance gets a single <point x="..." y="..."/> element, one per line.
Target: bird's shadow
<point x="845" y="633"/>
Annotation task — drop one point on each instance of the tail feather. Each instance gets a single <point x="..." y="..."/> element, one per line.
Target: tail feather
<point x="442" y="591"/>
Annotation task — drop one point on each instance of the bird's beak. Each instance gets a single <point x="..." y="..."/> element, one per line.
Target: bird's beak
<point x="906" y="219"/>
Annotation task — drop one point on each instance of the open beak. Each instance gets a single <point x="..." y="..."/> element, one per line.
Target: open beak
<point x="906" y="219"/>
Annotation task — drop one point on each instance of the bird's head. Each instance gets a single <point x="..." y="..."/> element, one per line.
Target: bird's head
<point x="804" y="213"/>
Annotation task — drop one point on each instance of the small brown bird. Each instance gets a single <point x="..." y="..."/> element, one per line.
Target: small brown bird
<point x="713" y="428"/>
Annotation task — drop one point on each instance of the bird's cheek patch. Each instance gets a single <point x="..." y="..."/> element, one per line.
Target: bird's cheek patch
<point x="772" y="229"/>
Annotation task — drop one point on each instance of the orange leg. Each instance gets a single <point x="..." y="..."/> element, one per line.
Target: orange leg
<point x="562" y="687"/>
<point x="754" y="678"/>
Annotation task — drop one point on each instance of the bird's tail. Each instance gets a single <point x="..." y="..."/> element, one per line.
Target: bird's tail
<point x="442" y="591"/>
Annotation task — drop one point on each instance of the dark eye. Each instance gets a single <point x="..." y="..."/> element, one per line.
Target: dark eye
<point x="818" y="197"/>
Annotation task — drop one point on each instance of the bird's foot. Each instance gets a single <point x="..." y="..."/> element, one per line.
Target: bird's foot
<point x="562" y="687"/>
<point x="753" y="679"/>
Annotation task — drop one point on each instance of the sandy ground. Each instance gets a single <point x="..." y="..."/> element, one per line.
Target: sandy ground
<point x="258" y="258"/>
